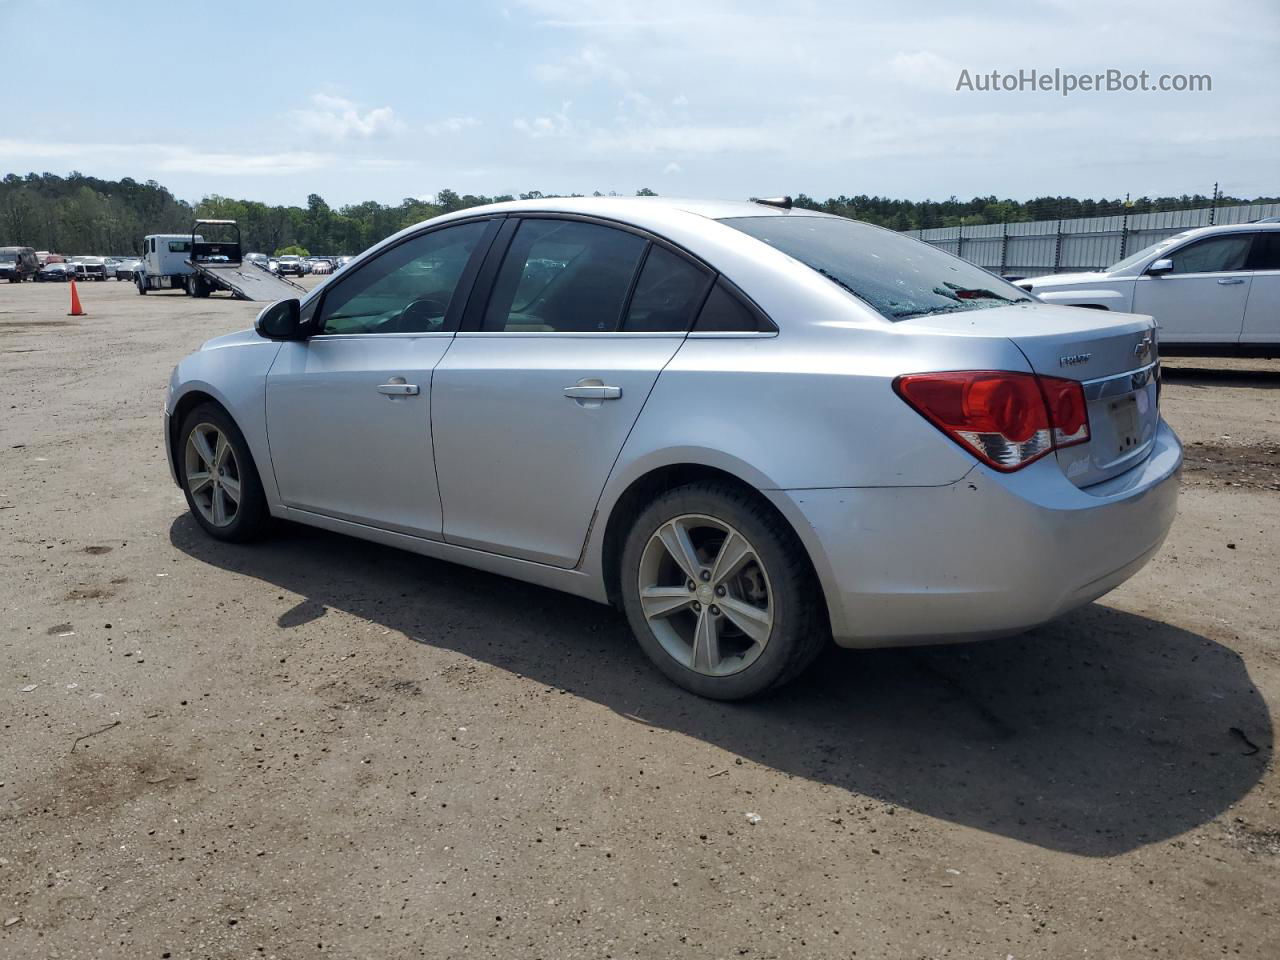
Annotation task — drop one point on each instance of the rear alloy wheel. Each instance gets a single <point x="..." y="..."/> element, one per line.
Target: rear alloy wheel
<point x="218" y="476"/>
<point x="720" y="592"/>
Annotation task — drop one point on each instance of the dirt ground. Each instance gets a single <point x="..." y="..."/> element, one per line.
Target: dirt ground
<point x="316" y="747"/>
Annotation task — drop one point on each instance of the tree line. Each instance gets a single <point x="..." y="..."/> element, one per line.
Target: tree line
<point x="79" y="214"/>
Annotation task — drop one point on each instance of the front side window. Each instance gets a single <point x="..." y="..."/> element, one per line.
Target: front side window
<point x="408" y="289"/>
<point x="1214" y="255"/>
<point x="563" y="276"/>
<point x="898" y="276"/>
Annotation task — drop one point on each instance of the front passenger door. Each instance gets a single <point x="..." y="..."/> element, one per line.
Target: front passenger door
<point x="1202" y="300"/>
<point x="349" y="409"/>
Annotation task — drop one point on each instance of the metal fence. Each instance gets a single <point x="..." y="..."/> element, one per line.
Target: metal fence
<point x="1059" y="246"/>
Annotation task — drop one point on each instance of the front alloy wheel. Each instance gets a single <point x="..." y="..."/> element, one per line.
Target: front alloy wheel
<point x="213" y="475"/>
<point x="218" y="475"/>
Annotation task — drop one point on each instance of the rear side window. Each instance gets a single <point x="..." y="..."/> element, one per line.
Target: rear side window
<point x="563" y="276"/>
<point x="667" y="295"/>
<point x="898" y="276"/>
<point x="1214" y="255"/>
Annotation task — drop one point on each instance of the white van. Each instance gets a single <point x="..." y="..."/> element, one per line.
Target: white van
<point x="164" y="261"/>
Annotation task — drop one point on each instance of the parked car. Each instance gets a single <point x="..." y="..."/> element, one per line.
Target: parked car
<point x="261" y="259"/>
<point x="90" y="268"/>
<point x="57" y="271"/>
<point x="1212" y="290"/>
<point x="290" y="265"/>
<point x="127" y="270"/>
<point x="273" y="265"/>
<point x="750" y="427"/>
<point x="18" y="264"/>
<point x="321" y="267"/>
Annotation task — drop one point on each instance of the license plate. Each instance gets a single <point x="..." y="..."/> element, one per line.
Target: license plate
<point x="1125" y="420"/>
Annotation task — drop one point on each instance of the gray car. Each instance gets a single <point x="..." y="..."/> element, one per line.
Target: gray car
<point x="753" y="428"/>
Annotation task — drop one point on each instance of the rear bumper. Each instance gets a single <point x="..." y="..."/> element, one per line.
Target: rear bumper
<point x="990" y="555"/>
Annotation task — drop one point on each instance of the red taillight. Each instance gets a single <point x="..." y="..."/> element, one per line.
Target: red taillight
<point x="1006" y="419"/>
<point x="1067" y="412"/>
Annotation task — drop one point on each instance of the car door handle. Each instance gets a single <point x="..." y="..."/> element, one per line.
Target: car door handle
<point x="401" y="389"/>
<point x="1225" y="281"/>
<point x="593" y="392"/>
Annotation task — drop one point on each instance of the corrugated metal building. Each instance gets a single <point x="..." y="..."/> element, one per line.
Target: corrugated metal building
<point x="1092" y="243"/>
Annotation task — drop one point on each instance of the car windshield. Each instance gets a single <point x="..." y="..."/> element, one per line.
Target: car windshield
<point x="898" y="276"/>
<point x="1135" y="258"/>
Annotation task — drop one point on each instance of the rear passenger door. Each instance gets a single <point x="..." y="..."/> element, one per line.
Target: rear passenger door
<point x="537" y="393"/>
<point x="1262" y="313"/>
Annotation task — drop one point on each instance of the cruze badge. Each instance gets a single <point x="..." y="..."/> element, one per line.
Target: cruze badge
<point x="1072" y="359"/>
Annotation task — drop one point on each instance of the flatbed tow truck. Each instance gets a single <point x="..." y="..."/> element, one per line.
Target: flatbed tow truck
<point x="199" y="266"/>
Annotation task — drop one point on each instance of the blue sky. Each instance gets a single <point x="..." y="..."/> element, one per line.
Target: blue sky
<point x="384" y="100"/>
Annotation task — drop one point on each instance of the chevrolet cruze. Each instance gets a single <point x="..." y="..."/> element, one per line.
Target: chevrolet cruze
<point x="753" y="428"/>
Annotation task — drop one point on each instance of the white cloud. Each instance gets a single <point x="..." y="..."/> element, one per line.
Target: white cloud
<point x="450" y="125"/>
<point x="672" y="167"/>
<point x="924" y="70"/>
<point x="142" y="160"/>
<point x="338" y="119"/>
<point x="590" y="64"/>
<point x="557" y="124"/>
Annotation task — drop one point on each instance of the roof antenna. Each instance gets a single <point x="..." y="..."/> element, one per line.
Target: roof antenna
<point x="783" y="203"/>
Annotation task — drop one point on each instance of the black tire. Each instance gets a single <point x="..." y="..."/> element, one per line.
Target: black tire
<point x="252" y="516"/>
<point x="800" y="630"/>
<point x="142" y="287"/>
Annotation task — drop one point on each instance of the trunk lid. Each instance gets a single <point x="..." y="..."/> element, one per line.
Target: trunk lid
<point x="1113" y="355"/>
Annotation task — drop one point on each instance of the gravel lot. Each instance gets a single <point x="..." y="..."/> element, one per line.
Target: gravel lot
<point x="317" y="747"/>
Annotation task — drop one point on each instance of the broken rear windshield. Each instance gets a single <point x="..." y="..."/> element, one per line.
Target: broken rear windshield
<point x="896" y="275"/>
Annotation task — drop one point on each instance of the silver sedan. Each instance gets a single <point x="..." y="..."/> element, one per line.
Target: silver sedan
<point x="755" y="429"/>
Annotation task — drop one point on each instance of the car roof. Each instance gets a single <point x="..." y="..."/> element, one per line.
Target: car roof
<point x="1226" y="228"/>
<point x="625" y="208"/>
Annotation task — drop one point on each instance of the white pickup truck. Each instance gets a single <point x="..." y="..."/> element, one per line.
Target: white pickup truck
<point x="1213" y="290"/>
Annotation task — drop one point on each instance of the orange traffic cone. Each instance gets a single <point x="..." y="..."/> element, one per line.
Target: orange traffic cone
<point x="76" y="309"/>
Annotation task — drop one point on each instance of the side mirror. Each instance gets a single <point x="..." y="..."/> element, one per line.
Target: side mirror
<point x="1157" y="267"/>
<point x="281" y="321"/>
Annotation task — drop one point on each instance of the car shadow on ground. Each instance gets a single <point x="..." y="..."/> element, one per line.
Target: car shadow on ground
<point x="1094" y="735"/>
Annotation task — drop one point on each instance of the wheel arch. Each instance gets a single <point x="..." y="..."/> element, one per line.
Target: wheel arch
<point x="643" y="489"/>
<point x="184" y="405"/>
